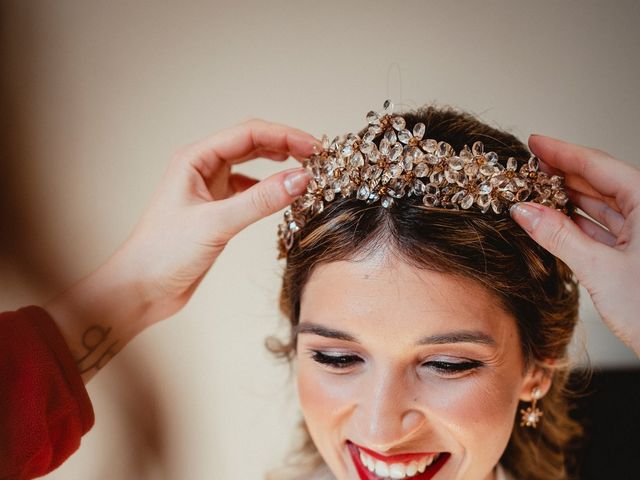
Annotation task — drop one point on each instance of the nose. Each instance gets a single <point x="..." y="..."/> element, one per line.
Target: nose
<point x="388" y="412"/>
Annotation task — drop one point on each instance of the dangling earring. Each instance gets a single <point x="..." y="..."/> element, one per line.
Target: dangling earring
<point x="531" y="415"/>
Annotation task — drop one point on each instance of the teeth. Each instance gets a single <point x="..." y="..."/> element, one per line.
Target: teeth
<point x="382" y="469"/>
<point x="367" y="461"/>
<point x="395" y="470"/>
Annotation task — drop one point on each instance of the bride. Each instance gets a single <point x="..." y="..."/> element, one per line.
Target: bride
<point x="429" y="337"/>
<point x="431" y="282"/>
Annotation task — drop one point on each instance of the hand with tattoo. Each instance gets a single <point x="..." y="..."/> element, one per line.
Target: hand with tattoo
<point x="198" y="207"/>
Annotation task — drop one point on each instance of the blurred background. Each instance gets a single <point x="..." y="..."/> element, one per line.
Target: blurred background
<point x="95" y="97"/>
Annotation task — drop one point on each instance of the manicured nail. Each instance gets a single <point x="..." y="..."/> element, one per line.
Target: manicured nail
<point x="296" y="181"/>
<point x="526" y="214"/>
<point x="306" y="141"/>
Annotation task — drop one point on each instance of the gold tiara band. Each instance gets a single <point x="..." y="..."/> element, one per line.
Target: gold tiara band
<point x="390" y="162"/>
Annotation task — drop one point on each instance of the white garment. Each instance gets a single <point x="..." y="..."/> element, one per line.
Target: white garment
<point x="323" y="473"/>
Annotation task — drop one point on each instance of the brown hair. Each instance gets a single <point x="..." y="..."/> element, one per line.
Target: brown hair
<point x="537" y="288"/>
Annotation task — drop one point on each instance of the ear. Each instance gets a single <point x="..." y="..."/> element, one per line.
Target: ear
<point x="538" y="375"/>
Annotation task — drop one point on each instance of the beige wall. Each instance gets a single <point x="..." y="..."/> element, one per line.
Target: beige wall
<point x="97" y="95"/>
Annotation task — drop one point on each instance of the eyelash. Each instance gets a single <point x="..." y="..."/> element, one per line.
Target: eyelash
<point x="443" y="368"/>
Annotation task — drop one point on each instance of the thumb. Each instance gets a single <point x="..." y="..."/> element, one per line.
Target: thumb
<point x="558" y="234"/>
<point x="260" y="200"/>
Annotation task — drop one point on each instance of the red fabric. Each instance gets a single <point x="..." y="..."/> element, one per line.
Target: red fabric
<point x="44" y="406"/>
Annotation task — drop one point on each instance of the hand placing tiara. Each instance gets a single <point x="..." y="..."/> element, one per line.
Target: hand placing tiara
<point x="389" y="162"/>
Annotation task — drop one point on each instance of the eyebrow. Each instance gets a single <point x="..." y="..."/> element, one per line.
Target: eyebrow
<point x="458" y="336"/>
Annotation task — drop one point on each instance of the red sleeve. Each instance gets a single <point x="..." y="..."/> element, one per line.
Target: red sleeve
<point x="44" y="406"/>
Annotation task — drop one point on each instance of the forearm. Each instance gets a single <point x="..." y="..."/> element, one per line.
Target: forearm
<point x="197" y="208"/>
<point x="100" y="314"/>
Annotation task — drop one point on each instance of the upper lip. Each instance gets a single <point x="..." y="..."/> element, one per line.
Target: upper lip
<point x="398" y="458"/>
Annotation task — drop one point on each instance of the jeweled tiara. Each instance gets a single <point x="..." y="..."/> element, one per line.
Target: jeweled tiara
<point x="390" y="162"/>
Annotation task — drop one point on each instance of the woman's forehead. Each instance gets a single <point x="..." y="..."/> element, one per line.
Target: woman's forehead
<point x="385" y="295"/>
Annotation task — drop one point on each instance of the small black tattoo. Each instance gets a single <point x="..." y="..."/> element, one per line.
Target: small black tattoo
<point x="93" y="339"/>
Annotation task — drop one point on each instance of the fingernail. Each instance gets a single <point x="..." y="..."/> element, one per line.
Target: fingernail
<point x="526" y="214"/>
<point x="296" y="181"/>
<point x="305" y="139"/>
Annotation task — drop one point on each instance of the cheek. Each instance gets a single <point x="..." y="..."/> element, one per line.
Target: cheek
<point x="478" y="411"/>
<point x="323" y="396"/>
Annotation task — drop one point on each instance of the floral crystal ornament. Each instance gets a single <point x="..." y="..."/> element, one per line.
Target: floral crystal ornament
<point x="390" y="162"/>
<point x="532" y="414"/>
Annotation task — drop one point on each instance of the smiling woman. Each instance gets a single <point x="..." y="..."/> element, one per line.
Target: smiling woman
<point x="422" y="336"/>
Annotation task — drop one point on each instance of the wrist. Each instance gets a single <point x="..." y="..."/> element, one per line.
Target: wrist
<point x="100" y="314"/>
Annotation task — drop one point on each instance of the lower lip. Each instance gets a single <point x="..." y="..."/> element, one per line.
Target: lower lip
<point x="365" y="474"/>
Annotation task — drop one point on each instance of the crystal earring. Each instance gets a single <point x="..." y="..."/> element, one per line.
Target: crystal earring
<point x="531" y="415"/>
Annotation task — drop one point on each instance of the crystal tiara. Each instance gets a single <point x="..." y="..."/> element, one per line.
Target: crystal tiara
<point x="390" y="162"/>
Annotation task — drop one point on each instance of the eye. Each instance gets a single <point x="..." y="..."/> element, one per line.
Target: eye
<point x="335" y="359"/>
<point x="452" y="369"/>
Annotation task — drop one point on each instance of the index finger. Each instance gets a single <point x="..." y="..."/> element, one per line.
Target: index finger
<point x="606" y="174"/>
<point x="246" y="140"/>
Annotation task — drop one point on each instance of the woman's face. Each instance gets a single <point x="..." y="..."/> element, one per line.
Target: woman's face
<point x="409" y="366"/>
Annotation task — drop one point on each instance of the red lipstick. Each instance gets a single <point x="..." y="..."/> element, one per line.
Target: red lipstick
<point x="365" y="474"/>
<point x="401" y="458"/>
